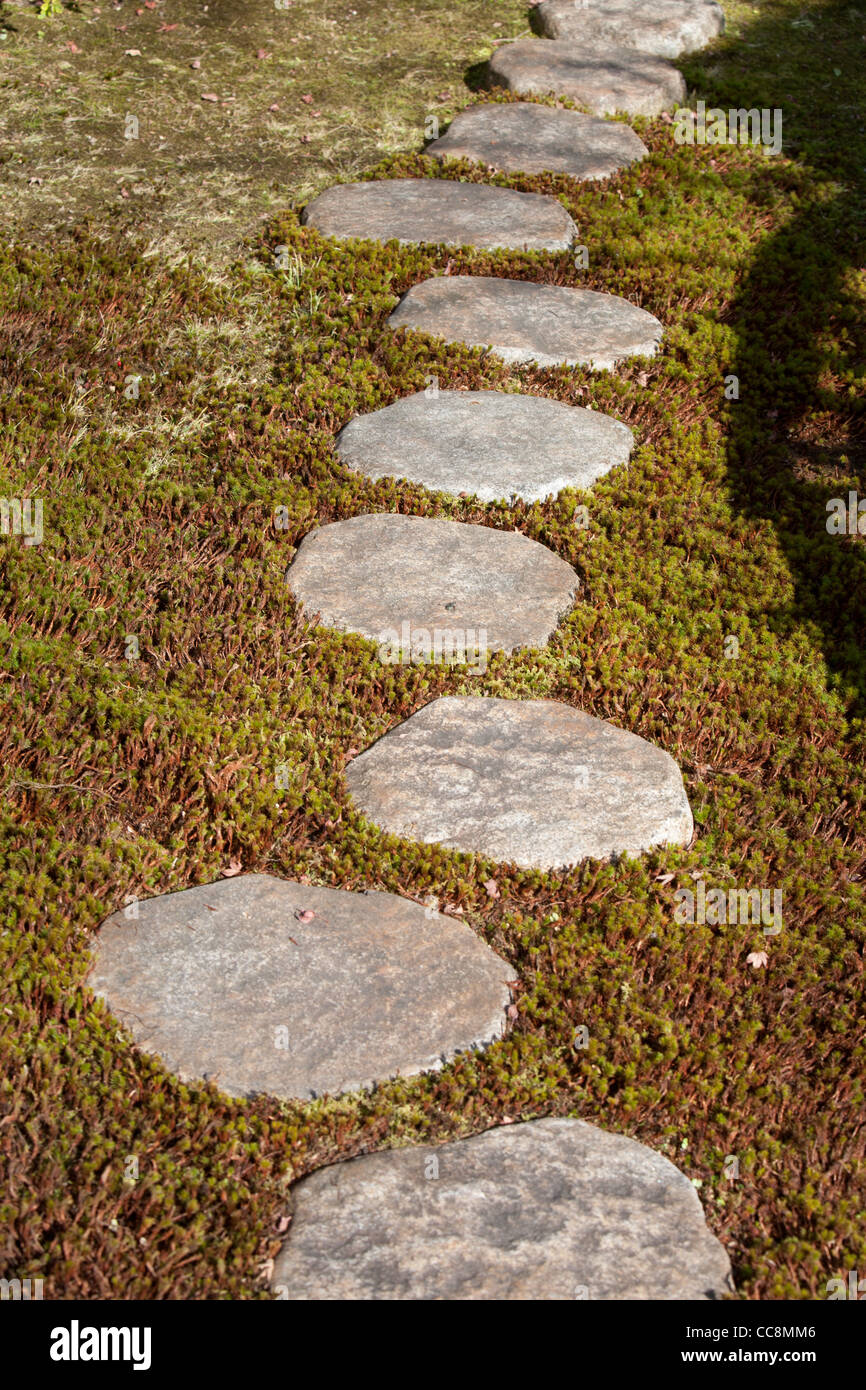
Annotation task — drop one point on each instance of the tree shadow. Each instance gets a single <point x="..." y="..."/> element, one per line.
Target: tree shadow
<point x="797" y="433"/>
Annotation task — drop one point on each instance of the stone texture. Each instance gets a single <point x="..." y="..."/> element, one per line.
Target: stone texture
<point x="663" y="27"/>
<point x="370" y="987"/>
<point x="492" y="444"/>
<point x="530" y="782"/>
<point x="604" y="77"/>
<point x="440" y="210"/>
<point x="372" y="574"/>
<point x="553" y="1209"/>
<point x="525" y="322"/>
<point x="522" y="137"/>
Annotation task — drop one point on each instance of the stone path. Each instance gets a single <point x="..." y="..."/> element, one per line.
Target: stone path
<point x="528" y="782"/>
<point x="664" y="27"/>
<point x="522" y="137"/>
<point x="521" y="321"/>
<point x="389" y="576"/>
<point x="604" y="77"/>
<point x="492" y="444"/>
<point x="265" y="985"/>
<point x="553" y="1209"/>
<point x="438" y="210"/>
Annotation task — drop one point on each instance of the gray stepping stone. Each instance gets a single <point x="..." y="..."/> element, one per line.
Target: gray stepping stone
<point x="523" y="137"/>
<point x="664" y="27"/>
<point x="552" y="1209"/>
<point x="604" y="77"/>
<point x="494" y="445"/>
<point x="521" y="321"/>
<point x="469" y="584"/>
<point x="441" y="210"/>
<point x="530" y="782"/>
<point x="264" y="985"/>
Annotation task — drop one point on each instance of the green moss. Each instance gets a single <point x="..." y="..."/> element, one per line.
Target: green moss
<point x="138" y="777"/>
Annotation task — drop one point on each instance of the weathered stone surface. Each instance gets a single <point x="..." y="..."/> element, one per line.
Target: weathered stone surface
<point x="492" y="444"/>
<point x="234" y="982"/>
<point x="373" y="574"/>
<point x="553" y="1209"/>
<point x="441" y="210"/>
<point x="530" y="782"/>
<point x="604" y="77"/>
<point x="664" y="27"/>
<point x="525" y="322"/>
<point x="523" y="137"/>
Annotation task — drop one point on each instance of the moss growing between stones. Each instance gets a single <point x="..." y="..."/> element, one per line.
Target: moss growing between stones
<point x="126" y="776"/>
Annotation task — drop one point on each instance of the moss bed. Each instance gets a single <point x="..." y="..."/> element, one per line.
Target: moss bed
<point x="140" y="776"/>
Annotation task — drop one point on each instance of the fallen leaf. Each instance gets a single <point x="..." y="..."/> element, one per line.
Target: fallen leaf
<point x="306" y="914"/>
<point x="150" y="721"/>
<point x="491" y="888"/>
<point x="275" y="107"/>
<point x="234" y="868"/>
<point x="196" y="63"/>
<point x="756" y="959"/>
<point x="73" y="47"/>
<point x="263" y="53"/>
<point x="209" y="96"/>
<point x="132" y="53"/>
<point x="664" y="878"/>
<point x="166" y="28"/>
<point x="512" y="1011"/>
<point x="308" y="99"/>
<point x="150" y="4"/>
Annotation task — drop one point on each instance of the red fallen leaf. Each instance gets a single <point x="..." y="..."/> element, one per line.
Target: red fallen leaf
<point x="150" y="4"/>
<point x="73" y="47"/>
<point x="308" y="99"/>
<point x="275" y="107"/>
<point x="491" y="888"/>
<point x="123" y="193"/>
<point x="306" y="914"/>
<point x="196" y="63"/>
<point x="166" y="28"/>
<point x="263" y="53"/>
<point x="209" y="96"/>
<point x="315" y="113"/>
<point x="306" y="140"/>
<point x="235" y="867"/>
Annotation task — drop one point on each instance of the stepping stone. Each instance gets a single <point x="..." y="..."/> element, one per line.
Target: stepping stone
<point x="492" y="444"/>
<point x="530" y="782"/>
<point x="522" y="137"/>
<point x="264" y="985"/>
<point x="604" y="77"/>
<point x="391" y="577"/>
<point x="441" y="210"/>
<point x="521" y="321"/>
<point x="664" y="27"/>
<point x="552" y="1209"/>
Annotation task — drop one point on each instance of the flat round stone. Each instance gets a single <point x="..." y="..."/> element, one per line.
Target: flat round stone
<point x="553" y="1209"/>
<point x="441" y="210"/>
<point x="664" y="27"/>
<point x="604" y="77"/>
<point x="523" y="137"/>
<point x="530" y="782"/>
<point x="388" y="577"/>
<point x="264" y="985"/>
<point x="521" y="321"/>
<point x="494" y="445"/>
